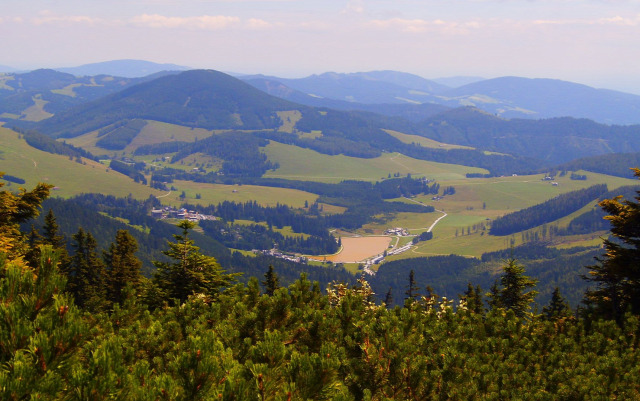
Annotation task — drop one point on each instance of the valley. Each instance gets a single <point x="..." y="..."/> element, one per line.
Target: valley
<point x="300" y="180"/>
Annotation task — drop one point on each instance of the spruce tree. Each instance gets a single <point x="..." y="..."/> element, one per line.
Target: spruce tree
<point x="123" y="267"/>
<point x="412" y="288"/>
<point x="557" y="308"/>
<point x="86" y="274"/>
<point x="15" y="209"/>
<point x="473" y="298"/>
<point x="512" y="293"/>
<point x="617" y="274"/>
<point x="271" y="281"/>
<point x="191" y="272"/>
<point x="388" y="299"/>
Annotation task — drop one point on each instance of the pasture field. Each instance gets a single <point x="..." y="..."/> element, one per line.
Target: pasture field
<point x="216" y="193"/>
<point x="416" y="223"/>
<point x="289" y="120"/>
<point x="152" y="133"/>
<point x="425" y="142"/>
<point x="356" y="249"/>
<point x="36" y="112"/>
<point x="305" y="164"/>
<point x="19" y="159"/>
<point x="287" y="231"/>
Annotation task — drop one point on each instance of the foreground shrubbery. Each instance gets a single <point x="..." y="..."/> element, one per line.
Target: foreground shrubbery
<point x="299" y="344"/>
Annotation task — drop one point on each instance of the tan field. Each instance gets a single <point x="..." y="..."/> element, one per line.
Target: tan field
<point x="357" y="249"/>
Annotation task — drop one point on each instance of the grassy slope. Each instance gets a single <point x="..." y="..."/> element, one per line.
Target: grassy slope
<point x="216" y="193"/>
<point x="19" y="159"/>
<point x="501" y="195"/>
<point x="154" y="132"/>
<point x="306" y="164"/>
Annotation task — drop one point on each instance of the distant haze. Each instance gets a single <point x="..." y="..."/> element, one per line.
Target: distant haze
<point x="594" y="42"/>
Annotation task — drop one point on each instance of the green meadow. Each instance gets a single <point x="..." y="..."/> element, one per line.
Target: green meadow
<point x="70" y="178"/>
<point x="305" y="164"/>
<point x="216" y="193"/>
<point x="153" y="133"/>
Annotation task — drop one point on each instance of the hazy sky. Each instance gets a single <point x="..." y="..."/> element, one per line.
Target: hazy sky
<point x="596" y="42"/>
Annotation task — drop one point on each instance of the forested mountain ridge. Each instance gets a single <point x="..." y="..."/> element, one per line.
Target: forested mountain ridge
<point x="508" y="97"/>
<point x="198" y="98"/>
<point x="38" y="94"/>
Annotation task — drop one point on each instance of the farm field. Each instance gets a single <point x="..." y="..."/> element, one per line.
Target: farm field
<point x="305" y="164"/>
<point x="19" y="159"/>
<point x="216" y="193"/>
<point x="356" y="249"/>
<point x="152" y="133"/>
<point x="426" y="142"/>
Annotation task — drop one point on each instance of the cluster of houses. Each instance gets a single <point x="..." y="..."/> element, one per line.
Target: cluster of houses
<point x="169" y="212"/>
<point x="399" y="231"/>
<point x="277" y="254"/>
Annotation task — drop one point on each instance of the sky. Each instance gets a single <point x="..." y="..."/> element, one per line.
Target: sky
<point x="594" y="42"/>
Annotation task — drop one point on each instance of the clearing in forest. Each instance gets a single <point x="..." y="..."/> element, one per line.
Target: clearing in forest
<point x="357" y="249"/>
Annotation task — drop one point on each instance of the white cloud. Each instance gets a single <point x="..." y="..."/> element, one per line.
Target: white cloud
<point x="257" y="24"/>
<point x="208" y="22"/>
<point x="47" y="17"/>
<point x="420" y="25"/>
<point x="616" y="20"/>
<point x="354" y="7"/>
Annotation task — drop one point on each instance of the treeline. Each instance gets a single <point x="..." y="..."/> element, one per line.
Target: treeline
<point x="593" y="220"/>
<point x="118" y="136"/>
<point x="546" y="212"/>
<point x="261" y="237"/>
<point x="616" y="164"/>
<point x="240" y="152"/>
<point x="129" y="169"/>
<point x="362" y="199"/>
<point x="449" y="275"/>
<point x="50" y="145"/>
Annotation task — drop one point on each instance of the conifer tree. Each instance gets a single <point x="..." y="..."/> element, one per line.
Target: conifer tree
<point x="388" y="299"/>
<point x="191" y="272"/>
<point x="271" y="281"/>
<point x="617" y="274"/>
<point x="473" y="298"/>
<point x="86" y="274"/>
<point x="16" y="209"/>
<point x="123" y="267"/>
<point x="512" y="293"/>
<point x="557" y="308"/>
<point x="412" y="288"/>
<point x="51" y="235"/>
<point x="34" y="240"/>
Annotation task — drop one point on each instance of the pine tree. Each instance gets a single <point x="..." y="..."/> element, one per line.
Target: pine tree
<point x="51" y="235"/>
<point x="123" y="267"/>
<point x="512" y="293"/>
<point x="191" y="272"/>
<point x="557" y="308"/>
<point x="412" y="288"/>
<point x="388" y="299"/>
<point x="473" y="298"/>
<point x="271" y="281"/>
<point x="86" y="274"/>
<point x="617" y="274"/>
<point x="16" y="209"/>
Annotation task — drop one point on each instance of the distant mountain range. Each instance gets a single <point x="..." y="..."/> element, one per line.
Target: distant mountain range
<point x="4" y="68"/>
<point x="214" y="100"/>
<point x="122" y="68"/>
<point x="508" y="97"/>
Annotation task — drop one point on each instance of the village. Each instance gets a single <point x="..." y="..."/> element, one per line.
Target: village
<point x="169" y="212"/>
